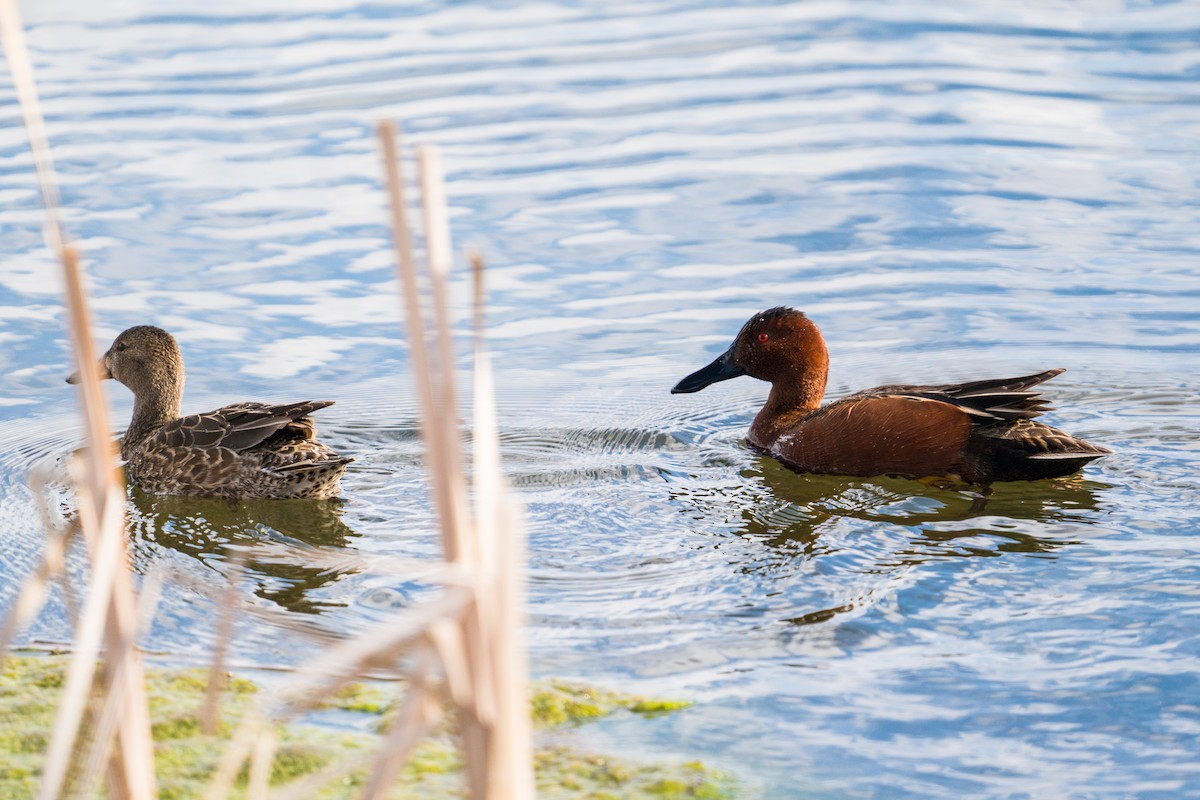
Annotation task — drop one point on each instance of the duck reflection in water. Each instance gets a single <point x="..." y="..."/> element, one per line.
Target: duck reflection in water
<point x="933" y="511"/>
<point x="791" y="512"/>
<point x="207" y="528"/>
<point x="786" y="522"/>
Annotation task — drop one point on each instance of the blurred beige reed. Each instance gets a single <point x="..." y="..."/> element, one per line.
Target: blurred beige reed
<point x="460" y="651"/>
<point x="109" y="616"/>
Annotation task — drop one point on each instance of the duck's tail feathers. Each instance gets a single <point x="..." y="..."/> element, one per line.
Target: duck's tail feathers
<point x="1029" y="450"/>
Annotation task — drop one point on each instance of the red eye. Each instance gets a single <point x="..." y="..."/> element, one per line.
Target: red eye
<point x="762" y="337"/>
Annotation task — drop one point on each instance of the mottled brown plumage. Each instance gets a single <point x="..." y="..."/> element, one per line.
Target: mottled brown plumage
<point x="982" y="431"/>
<point x="240" y="451"/>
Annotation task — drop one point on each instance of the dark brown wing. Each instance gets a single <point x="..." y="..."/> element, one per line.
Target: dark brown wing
<point x="992" y="399"/>
<point x="240" y="427"/>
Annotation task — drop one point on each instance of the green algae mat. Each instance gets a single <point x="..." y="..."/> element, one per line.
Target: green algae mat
<point x="346" y="728"/>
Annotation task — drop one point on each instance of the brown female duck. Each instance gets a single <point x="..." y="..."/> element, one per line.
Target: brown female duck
<point x="239" y="451"/>
<point x="981" y="431"/>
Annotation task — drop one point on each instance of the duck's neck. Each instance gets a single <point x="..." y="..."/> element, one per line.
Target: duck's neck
<point x="152" y="409"/>
<point x="795" y="393"/>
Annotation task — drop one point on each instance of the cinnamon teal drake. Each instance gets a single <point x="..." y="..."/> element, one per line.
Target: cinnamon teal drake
<point x="980" y="432"/>
<point x="245" y="450"/>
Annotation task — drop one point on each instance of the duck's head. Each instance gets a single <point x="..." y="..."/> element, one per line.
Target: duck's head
<point x="144" y="358"/>
<point x="780" y="344"/>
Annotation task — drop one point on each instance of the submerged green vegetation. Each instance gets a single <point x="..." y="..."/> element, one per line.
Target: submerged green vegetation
<point x="556" y="703"/>
<point x="185" y="755"/>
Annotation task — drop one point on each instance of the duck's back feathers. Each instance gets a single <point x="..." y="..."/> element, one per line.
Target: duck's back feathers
<point x="240" y="450"/>
<point x="241" y="426"/>
<point x="994" y="399"/>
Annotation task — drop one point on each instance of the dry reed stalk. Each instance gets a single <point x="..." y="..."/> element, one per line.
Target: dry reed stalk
<point x="447" y="639"/>
<point x="33" y="592"/>
<point x="260" y="765"/>
<point x="476" y="717"/>
<point x="437" y="254"/>
<point x="59" y="537"/>
<point x="314" y="782"/>
<point x="492" y="699"/>
<point x="210" y="714"/>
<point x="478" y="298"/>
<point x="103" y="735"/>
<point x="324" y="676"/>
<point x="102" y="510"/>
<point x="420" y="712"/>
<point x="101" y="504"/>
<point x="485" y="674"/>
<point x="435" y="447"/>
<point x="81" y="668"/>
<point x="510" y="767"/>
<point x="12" y="36"/>
<point x="240" y="747"/>
<point x="377" y="647"/>
<point x="435" y="384"/>
<point x="51" y="569"/>
<point x="501" y="542"/>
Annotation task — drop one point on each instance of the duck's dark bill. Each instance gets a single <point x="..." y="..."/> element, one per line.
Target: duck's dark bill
<point x="720" y="370"/>
<point x="101" y="369"/>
